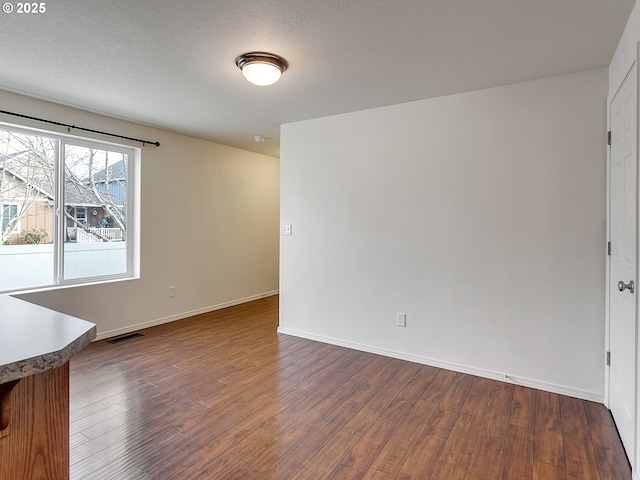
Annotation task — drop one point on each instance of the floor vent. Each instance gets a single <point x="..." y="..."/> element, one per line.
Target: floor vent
<point x="126" y="337"/>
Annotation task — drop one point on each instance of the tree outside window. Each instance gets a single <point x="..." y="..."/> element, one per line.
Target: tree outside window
<point x="89" y="182"/>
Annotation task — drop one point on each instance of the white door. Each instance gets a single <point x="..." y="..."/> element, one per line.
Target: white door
<point x="622" y="293"/>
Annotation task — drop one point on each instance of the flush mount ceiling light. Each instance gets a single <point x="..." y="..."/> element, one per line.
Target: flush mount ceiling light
<point x="261" y="68"/>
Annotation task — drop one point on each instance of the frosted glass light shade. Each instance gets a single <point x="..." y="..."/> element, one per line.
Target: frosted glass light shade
<point x="261" y="68"/>
<point x="261" y="74"/>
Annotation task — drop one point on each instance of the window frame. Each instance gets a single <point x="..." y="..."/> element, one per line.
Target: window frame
<point x="78" y="209"/>
<point x="16" y="228"/>
<point x="132" y="195"/>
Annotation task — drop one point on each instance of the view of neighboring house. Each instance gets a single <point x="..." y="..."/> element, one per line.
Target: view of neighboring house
<point x="91" y="205"/>
<point x="27" y="203"/>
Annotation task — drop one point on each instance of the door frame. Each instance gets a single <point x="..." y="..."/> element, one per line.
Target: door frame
<point x="634" y="455"/>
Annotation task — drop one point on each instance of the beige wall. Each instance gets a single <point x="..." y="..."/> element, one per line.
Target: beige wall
<point x="209" y="227"/>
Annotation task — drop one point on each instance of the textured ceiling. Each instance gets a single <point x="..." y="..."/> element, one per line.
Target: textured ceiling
<point x="171" y="63"/>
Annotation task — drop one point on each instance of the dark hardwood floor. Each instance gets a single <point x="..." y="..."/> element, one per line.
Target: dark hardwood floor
<point x="223" y="396"/>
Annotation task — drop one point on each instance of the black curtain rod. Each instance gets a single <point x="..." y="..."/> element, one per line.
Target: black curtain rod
<point x="69" y="127"/>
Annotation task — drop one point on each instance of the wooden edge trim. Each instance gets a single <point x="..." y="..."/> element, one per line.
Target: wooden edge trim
<point x="5" y="405"/>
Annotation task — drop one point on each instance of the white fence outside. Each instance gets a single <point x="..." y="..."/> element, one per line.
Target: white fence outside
<point x="93" y="234"/>
<point x="23" y="266"/>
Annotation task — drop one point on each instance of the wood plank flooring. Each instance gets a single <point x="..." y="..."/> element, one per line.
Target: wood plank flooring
<point x="223" y="396"/>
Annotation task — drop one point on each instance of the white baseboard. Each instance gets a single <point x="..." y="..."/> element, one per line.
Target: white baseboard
<point x="152" y="323"/>
<point x="504" y="377"/>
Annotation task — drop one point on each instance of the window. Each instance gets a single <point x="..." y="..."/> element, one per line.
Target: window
<point x="80" y="215"/>
<point x="10" y="223"/>
<point x="72" y="201"/>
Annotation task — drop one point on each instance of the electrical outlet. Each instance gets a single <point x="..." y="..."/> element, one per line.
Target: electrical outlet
<point x="172" y="291"/>
<point x="286" y="229"/>
<point x="401" y="319"/>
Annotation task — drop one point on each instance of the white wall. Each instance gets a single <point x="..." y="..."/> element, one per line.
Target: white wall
<point x="209" y="227"/>
<point x="626" y="52"/>
<point x="480" y="215"/>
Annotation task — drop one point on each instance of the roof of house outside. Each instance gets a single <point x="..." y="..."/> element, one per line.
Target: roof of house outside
<point x="116" y="172"/>
<point x="109" y="184"/>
